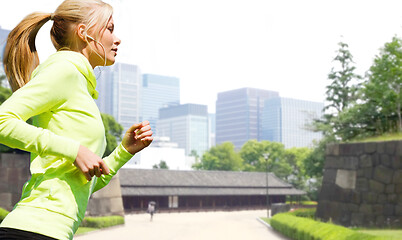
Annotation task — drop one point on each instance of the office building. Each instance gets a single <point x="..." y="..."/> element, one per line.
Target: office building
<point x="158" y="92"/>
<point x="186" y="125"/>
<point x="238" y="115"/>
<point x="211" y="129"/>
<point x="287" y="120"/>
<point x="119" y="92"/>
<point x="3" y="39"/>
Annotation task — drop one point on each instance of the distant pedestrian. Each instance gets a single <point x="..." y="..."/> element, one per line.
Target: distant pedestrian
<point x="151" y="209"/>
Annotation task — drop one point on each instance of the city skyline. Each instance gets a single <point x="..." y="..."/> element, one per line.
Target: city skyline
<point x="289" y="121"/>
<point x="286" y="46"/>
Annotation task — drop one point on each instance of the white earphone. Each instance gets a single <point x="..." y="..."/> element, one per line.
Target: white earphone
<point x="104" y="51"/>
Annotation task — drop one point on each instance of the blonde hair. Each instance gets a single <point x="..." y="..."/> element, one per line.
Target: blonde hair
<point x="20" y="55"/>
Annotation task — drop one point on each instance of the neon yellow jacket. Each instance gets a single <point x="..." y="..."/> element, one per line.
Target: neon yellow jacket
<point x="60" y="96"/>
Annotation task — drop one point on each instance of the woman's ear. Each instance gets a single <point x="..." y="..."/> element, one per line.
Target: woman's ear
<point x="81" y="32"/>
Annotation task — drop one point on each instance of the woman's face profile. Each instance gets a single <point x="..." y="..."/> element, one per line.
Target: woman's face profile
<point x="110" y="44"/>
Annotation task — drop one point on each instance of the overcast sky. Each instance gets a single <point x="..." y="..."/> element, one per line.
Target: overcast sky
<point x="219" y="45"/>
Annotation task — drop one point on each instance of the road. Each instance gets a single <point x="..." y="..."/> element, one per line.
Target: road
<point x="193" y="225"/>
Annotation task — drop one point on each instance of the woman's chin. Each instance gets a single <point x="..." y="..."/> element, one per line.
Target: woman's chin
<point x="110" y="62"/>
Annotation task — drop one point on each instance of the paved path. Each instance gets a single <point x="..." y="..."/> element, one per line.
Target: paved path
<point x="195" y="226"/>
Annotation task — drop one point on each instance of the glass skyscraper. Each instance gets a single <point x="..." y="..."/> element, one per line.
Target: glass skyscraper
<point x="158" y="92"/>
<point x="3" y="39"/>
<point x="287" y="120"/>
<point x="186" y="125"/>
<point x="119" y="92"/>
<point x="238" y="115"/>
<point x="212" y="129"/>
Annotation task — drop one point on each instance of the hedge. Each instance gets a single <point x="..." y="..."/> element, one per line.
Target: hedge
<point x="304" y="212"/>
<point x="299" y="228"/>
<point x="3" y="214"/>
<point x="102" y="222"/>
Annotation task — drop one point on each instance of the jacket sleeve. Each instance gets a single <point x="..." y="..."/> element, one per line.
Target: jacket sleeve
<point x="47" y="89"/>
<point x="114" y="161"/>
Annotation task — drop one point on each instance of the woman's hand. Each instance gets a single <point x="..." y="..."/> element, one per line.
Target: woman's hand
<point x="137" y="137"/>
<point x="90" y="164"/>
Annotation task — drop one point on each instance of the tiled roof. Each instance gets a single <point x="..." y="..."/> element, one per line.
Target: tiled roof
<point x="152" y="182"/>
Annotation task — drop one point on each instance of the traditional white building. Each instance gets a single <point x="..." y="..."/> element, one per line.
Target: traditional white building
<point x="160" y="150"/>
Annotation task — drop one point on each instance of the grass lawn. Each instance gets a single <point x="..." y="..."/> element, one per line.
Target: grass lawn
<point x="82" y="230"/>
<point x="385" y="137"/>
<point x="391" y="233"/>
<point x="265" y="219"/>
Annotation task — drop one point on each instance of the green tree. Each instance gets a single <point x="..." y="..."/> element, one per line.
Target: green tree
<point x="113" y="132"/>
<point x="286" y="164"/>
<point x="221" y="157"/>
<point x="342" y="93"/>
<point x="252" y="153"/>
<point x="257" y="155"/>
<point x="379" y="108"/>
<point x="276" y="163"/>
<point x="294" y="157"/>
<point x="162" y="165"/>
<point x="341" y="96"/>
<point x="382" y="95"/>
<point x="194" y="154"/>
<point x="5" y="93"/>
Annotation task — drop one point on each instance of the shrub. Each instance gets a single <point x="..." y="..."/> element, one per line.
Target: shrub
<point x="3" y="214"/>
<point x="299" y="228"/>
<point x="304" y="212"/>
<point x="102" y="222"/>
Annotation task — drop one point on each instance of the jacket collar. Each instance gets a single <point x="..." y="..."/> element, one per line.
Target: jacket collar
<point x="84" y="67"/>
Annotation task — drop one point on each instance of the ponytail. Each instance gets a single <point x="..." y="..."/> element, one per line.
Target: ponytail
<point x="20" y="55"/>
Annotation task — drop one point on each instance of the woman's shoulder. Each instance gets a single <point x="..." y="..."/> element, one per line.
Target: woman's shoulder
<point x="66" y="60"/>
<point x="64" y="68"/>
<point x="55" y="64"/>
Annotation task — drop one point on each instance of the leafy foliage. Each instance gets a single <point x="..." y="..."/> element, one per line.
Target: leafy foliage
<point x="341" y="92"/>
<point x="253" y="152"/>
<point x="221" y="157"/>
<point x="162" y="165"/>
<point x="287" y="164"/>
<point x="5" y="93"/>
<point x="377" y="110"/>
<point x="382" y="95"/>
<point x="342" y="95"/>
<point x="295" y="158"/>
<point x="113" y="131"/>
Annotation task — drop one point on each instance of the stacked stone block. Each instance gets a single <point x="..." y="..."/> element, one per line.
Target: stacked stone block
<point x="14" y="172"/>
<point x="362" y="185"/>
<point x="107" y="201"/>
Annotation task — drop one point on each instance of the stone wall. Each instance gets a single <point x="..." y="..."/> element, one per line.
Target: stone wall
<point x="107" y="201"/>
<point x="14" y="172"/>
<point x="362" y="185"/>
